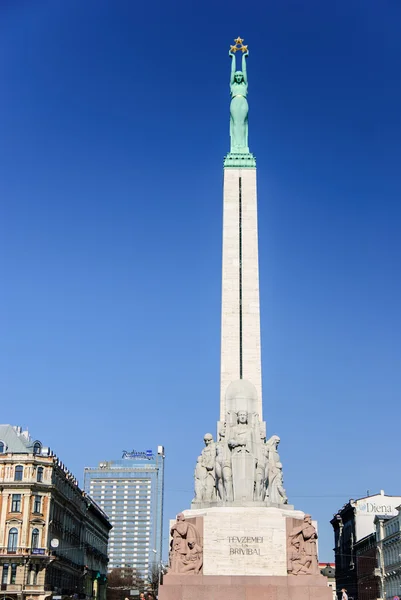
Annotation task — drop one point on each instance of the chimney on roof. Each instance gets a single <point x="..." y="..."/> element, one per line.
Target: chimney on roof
<point x="382" y="492"/>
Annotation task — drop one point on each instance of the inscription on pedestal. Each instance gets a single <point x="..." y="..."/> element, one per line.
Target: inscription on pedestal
<point x="244" y="544"/>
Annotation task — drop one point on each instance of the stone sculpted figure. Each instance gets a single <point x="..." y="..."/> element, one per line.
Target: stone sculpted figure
<point x="185" y="547"/>
<point x="261" y="479"/>
<point x="276" y="491"/>
<point x="224" y="477"/>
<point x="208" y="461"/>
<point x="241" y="438"/>
<point x="239" y="106"/>
<point x="302" y="550"/>
<point x="201" y="474"/>
<point x="193" y="560"/>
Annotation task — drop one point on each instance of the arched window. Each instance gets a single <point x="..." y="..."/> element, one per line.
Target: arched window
<point x="12" y="540"/>
<point x="19" y="469"/>
<point x="2" y="447"/>
<point x="37" y="447"/>
<point x="35" y="538"/>
<point x="39" y="474"/>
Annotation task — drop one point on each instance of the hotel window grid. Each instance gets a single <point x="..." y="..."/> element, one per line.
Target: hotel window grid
<point x="19" y="469"/>
<point x="12" y="540"/>
<point x="16" y="503"/>
<point x="37" y="504"/>
<point x="39" y="475"/>
<point x="131" y="492"/>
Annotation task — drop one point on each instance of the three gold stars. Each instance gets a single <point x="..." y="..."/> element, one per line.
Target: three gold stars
<point x="238" y="46"/>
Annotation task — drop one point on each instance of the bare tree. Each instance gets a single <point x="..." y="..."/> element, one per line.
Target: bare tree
<point x="121" y="581"/>
<point x="154" y="579"/>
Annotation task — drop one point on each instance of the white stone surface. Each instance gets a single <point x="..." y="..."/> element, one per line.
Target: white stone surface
<point x="244" y="541"/>
<point x="230" y="317"/>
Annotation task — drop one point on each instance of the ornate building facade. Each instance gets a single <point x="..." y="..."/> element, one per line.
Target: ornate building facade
<point x="388" y="536"/>
<point x="53" y="536"/>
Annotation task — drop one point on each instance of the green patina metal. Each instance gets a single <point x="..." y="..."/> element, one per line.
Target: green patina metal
<point x="239" y="155"/>
<point x="240" y="161"/>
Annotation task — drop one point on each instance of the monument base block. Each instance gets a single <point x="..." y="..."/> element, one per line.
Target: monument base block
<point x="244" y="540"/>
<point x="214" y="587"/>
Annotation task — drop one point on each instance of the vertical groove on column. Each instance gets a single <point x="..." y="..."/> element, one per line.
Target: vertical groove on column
<point x="240" y="273"/>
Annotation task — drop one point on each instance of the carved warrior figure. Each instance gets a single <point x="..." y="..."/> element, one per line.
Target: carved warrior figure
<point x="303" y="552"/>
<point x="186" y="554"/>
<point x="241" y="466"/>
<point x="276" y="489"/>
<point x="205" y="472"/>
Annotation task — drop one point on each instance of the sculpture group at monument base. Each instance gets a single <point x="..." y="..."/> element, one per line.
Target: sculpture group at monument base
<point x="239" y="587"/>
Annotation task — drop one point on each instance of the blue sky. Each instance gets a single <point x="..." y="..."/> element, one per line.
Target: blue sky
<point x="114" y="124"/>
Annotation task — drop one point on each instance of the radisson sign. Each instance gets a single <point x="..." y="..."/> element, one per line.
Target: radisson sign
<point x="147" y="454"/>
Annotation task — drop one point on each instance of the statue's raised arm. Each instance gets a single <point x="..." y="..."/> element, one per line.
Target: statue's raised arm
<point x="244" y="56"/>
<point x="232" y="78"/>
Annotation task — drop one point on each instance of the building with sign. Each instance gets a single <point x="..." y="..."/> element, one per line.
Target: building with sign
<point x="351" y="524"/>
<point x="388" y="536"/>
<point x="53" y="537"/>
<point x="130" y="491"/>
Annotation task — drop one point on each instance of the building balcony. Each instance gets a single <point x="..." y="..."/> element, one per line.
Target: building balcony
<point x="34" y="588"/>
<point x="23" y="551"/>
<point x="11" y="587"/>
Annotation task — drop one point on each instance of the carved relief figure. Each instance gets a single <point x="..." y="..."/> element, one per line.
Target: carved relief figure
<point x="302" y="557"/>
<point x="208" y="461"/>
<point x="241" y="439"/>
<point x="185" y="547"/>
<point x="200" y="475"/>
<point x="261" y="478"/>
<point x="276" y="489"/>
<point x="224" y="478"/>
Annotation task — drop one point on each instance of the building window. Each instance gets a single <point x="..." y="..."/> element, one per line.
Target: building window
<point x="34" y="575"/>
<point x="19" y="469"/>
<point x="13" y="573"/>
<point x="37" y="504"/>
<point x="12" y="540"/>
<point x="39" y="474"/>
<point x="2" y="447"/>
<point x="35" y="538"/>
<point x="37" y="447"/>
<point x="16" y="503"/>
<point x="4" y="577"/>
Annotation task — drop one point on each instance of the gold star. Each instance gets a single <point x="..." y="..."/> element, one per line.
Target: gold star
<point x="238" y="40"/>
<point x="233" y="49"/>
<point x="244" y="48"/>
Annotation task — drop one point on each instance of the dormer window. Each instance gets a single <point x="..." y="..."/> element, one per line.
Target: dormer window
<point x="37" y="447"/>
<point x="3" y="447"/>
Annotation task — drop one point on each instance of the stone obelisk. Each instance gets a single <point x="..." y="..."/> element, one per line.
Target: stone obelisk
<point x="241" y="537"/>
<point x="240" y="315"/>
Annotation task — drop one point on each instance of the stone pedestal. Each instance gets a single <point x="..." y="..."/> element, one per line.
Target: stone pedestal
<point x="246" y="555"/>
<point x="244" y="540"/>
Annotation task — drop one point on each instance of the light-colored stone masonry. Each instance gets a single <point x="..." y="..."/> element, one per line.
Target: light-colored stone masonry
<point x="230" y="316"/>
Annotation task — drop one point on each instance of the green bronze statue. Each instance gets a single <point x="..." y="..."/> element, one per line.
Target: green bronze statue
<point x="239" y="155"/>
<point x="239" y="103"/>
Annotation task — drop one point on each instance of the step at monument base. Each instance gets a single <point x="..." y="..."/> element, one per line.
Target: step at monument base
<point x="226" y="587"/>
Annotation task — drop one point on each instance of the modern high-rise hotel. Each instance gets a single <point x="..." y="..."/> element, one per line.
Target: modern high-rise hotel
<point x="130" y="491"/>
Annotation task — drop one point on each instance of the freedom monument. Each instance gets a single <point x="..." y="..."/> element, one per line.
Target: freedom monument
<point x="241" y="536"/>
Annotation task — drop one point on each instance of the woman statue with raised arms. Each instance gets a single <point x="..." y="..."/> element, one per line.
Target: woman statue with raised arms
<point x="239" y="106"/>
